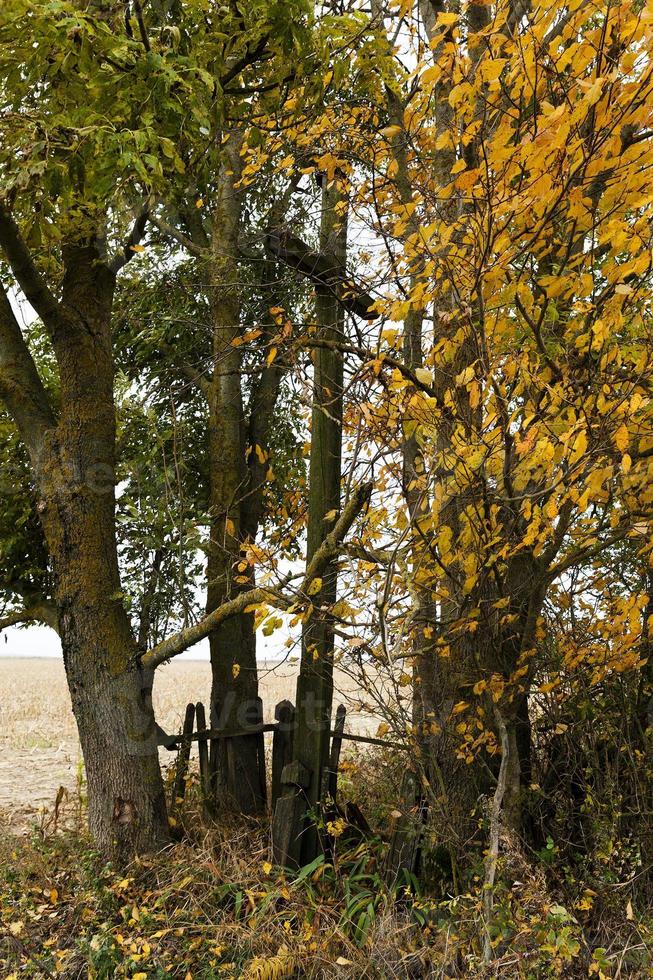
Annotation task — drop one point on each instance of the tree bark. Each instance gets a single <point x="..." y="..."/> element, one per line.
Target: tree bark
<point x="73" y="462"/>
<point x="234" y="690"/>
<point x="315" y="683"/>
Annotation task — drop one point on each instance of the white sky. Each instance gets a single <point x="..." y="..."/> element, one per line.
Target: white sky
<point x="41" y="641"/>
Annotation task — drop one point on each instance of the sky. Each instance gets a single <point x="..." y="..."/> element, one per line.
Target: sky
<point x="41" y="641"/>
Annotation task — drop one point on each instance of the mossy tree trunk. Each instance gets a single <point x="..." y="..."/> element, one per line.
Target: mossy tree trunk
<point x="238" y="437"/>
<point x="315" y="683"/>
<point x="72" y="454"/>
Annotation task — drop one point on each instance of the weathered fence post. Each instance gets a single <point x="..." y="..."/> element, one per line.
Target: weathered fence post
<point x="288" y="824"/>
<point x="228" y="754"/>
<point x="334" y="756"/>
<point x="260" y="755"/>
<point x="203" y="752"/>
<point x="282" y="744"/>
<point x="181" y="769"/>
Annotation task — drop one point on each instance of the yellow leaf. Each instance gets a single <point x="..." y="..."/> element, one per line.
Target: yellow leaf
<point x="235" y="670"/>
<point x="391" y="131"/>
<point x="271" y="356"/>
<point x="137" y="248"/>
<point x="492" y="68"/>
<point x="431" y="75"/>
<point x="424" y="376"/>
<point x="594" y="91"/>
<point x="267" y="867"/>
<point x="459" y="707"/>
<point x="622" y="438"/>
<point x="315" y="586"/>
<point x="139" y="976"/>
<point x="465" y="376"/>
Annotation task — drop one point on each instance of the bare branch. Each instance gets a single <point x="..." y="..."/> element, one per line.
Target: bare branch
<point x="127" y="252"/>
<point x="385" y="359"/>
<point x="178" y="236"/>
<point x="329" y="548"/>
<point x="21" y="388"/>
<point x="323" y="269"/>
<point x="27" y="275"/>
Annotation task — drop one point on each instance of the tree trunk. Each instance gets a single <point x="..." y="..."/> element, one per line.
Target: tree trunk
<point x="75" y="473"/>
<point x="315" y="683"/>
<point x="234" y="692"/>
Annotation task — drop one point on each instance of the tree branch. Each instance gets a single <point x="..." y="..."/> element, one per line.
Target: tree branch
<point x="141" y="26"/>
<point x="127" y="252"/>
<point x="250" y="57"/>
<point x="21" y="388"/>
<point x="178" y="236"/>
<point x="44" y="613"/>
<point x="323" y="269"/>
<point x="386" y="359"/>
<point x="27" y="275"/>
<point x="329" y="548"/>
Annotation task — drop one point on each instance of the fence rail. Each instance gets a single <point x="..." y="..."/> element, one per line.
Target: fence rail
<point x="172" y="742"/>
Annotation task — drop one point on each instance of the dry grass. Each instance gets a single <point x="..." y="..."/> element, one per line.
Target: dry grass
<point x="39" y="748"/>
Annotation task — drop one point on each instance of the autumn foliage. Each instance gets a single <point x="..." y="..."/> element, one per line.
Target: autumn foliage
<point x="429" y="224"/>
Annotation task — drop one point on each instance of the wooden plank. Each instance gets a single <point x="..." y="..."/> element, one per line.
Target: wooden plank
<point x="334" y="755"/>
<point x="288" y="824"/>
<point x="369" y="740"/>
<point x="203" y="751"/>
<point x="181" y="770"/>
<point x="260" y="754"/>
<point x="282" y="742"/>
<point x="170" y="741"/>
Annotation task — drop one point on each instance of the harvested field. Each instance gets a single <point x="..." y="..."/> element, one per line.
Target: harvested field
<point x="39" y="748"/>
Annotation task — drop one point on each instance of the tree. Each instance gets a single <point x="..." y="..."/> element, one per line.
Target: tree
<point x="75" y="137"/>
<point x="315" y="682"/>
<point x="169" y="354"/>
<point x="503" y="175"/>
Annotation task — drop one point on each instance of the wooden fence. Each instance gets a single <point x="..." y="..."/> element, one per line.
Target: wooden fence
<point x="195" y="730"/>
<point x="409" y="815"/>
